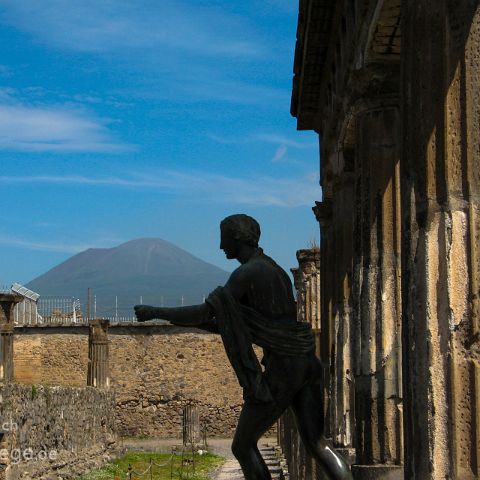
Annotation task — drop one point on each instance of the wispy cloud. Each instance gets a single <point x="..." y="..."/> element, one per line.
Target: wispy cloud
<point x="284" y="140"/>
<point x="280" y="153"/>
<point x="273" y="138"/>
<point x="43" y="246"/>
<point x="53" y="129"/>
<point x="96" y="26"/>
<point x="212" y="188"/>
<point x="226" y="90"/>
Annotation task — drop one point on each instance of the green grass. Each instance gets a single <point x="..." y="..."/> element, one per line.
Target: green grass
<point x="140" y="461"/>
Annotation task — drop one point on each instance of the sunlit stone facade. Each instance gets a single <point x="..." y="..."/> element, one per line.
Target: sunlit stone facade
<point x="393" y="90"/>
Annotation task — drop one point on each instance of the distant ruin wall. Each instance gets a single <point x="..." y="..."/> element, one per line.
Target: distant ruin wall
<point x="154" y="370"/>
<point x="157" y="371"/>
<point x="54" y="432"/>
<point x="56" y="357"/>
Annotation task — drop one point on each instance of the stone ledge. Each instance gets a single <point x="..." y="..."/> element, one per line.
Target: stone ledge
<point x="377" y="472"/>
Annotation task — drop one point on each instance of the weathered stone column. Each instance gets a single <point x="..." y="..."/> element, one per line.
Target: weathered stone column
<point x="378" y="395"/>
<point x="323" y="214"/>
<point x="98" y="369"/>
<point x="7" y="304"/>
<point x="301" y="465"/>
<point x="342" y="386"/>
<point x="440" y="239"/>
<point x="307" y="283"/>
<point x="191" y="433"/>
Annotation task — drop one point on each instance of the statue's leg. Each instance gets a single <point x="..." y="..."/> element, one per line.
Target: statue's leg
<point x="255" y="419"/>
<point x="308" y="409"/>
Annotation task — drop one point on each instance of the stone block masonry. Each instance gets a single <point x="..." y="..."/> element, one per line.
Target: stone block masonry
<point x="54" y="432"/>
<point x="154" y="371"/>
<point x="51" y="356"/>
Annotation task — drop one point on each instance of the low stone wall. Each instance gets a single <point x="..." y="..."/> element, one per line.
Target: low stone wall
<point x="154" y="370"/>
<point x="54" y="432"/>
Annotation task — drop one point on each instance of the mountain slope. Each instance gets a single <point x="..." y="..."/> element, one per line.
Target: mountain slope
<point x="155" y="269"/>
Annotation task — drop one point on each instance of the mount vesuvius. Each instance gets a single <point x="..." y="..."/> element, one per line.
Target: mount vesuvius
<point x="157" y="270"/>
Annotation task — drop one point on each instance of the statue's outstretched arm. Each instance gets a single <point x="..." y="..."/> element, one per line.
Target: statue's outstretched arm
<point x="200" y="316"/>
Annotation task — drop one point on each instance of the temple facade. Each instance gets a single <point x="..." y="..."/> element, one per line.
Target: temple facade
<point x="393" y="90"/>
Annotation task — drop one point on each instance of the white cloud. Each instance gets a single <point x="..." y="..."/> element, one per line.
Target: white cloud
<point x="273" y="138"/>
<point x="280" y="153"/>
<point x="124" y="26"/>
<point x="233" y="91"/>
<point x="283" y="140"/>
<point x="43" y="246"/>
<point x="53" y="129"/>
<point x="211" y="188"/>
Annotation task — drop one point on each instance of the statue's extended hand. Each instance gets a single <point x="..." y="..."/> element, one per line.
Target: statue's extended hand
<point x="144" y="312"/>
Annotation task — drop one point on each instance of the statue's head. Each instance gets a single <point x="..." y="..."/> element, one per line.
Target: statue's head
<point x="238" y="230"/>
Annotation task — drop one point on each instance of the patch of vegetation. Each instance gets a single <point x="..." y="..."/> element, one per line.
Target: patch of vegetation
<point x="163" y="467"/>
<point x="48" y="395"/>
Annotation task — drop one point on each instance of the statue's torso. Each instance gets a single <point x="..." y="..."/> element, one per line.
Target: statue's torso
<point x="268" y="289"/>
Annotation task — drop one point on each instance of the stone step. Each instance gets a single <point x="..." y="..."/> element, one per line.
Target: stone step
<point x="231" y="469"/>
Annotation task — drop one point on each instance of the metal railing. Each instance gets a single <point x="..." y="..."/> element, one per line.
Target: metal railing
<point x="60" y="311"/>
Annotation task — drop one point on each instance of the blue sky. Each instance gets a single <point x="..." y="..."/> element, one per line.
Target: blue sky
<point x="122" y="119"/>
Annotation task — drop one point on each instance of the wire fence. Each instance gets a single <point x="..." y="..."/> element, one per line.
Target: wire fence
<point x="37" y="309"/>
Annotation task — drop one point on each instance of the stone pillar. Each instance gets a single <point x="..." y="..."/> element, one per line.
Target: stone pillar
<point x="191" y="425"/>
<point x="323" y="214"/>
<point x="342" y="386"/>
<point x="98" y="370"/>
<point x="301" y="465"/>
<point x="7" y="304"/>
<point x="378" y="396"/>
<point x="307" y="283"/>
<point x="440" y="238"/>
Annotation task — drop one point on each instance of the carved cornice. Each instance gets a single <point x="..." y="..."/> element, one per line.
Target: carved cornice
<point x="315" y="23"/>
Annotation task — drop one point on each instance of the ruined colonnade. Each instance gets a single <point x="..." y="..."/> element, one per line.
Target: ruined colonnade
<point x="98" y="367"/>
<point x="392" y="88"/>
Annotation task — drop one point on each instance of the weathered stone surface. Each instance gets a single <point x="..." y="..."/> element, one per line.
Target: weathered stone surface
<point x="53" y="432"/>
<point x="7" y="304"/>
<point x="51" y="356"/>
<point x="155" y="372"/>
<point x="98" y="357"/>
<point x="307" y="283"/>
<point x="377" y="287"/>
<point x="377" y="472"/>
<point x="395" y="85"/>
<point x="441" y="231"/>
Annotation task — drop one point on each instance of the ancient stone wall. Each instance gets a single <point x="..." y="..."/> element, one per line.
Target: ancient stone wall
<point x="56" y="357"/>
<point x="53" y="432"/>
<point x="154" y="372"/>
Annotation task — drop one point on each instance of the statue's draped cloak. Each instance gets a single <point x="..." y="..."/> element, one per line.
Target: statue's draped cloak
<point x="241" y="326"/>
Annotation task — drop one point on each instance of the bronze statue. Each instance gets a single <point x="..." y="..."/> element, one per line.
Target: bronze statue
<point x="257" y="305"/>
